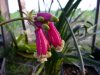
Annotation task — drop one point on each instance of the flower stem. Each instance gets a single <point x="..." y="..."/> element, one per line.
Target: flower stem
<point x="75" y="41"/>
<point x="16" y="19"/>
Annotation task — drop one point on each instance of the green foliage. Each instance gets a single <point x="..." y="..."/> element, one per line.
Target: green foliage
<point x="17" y="69"/>
<point x="69" y="8"/>
<point x="23" y="46"/>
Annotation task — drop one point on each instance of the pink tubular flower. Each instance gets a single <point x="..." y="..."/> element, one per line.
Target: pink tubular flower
<point x="54" y="35"/>
<point x="41" y="42"/>
<point x="42" y="45"/>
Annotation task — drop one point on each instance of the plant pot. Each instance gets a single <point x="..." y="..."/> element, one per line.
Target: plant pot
<point x="69" y="69"/>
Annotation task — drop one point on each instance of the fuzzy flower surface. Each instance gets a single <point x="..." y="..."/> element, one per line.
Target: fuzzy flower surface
<point x="54" y="37"/>
<point x="42" y="44"/>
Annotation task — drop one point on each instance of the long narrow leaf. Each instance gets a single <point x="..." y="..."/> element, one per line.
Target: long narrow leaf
<point x="74" y="6"/>
<point x="86" y="60"/>
<point x="75" y="41"/>
<point x="40" y="69"/>
<point x="78" y="16"/>
<point x="61" y="18"/>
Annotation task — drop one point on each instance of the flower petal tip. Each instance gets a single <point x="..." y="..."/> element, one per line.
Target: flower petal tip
<point x="54" y="19"/>
<point x="60" y="48"/>
<point x="42" y="60"/>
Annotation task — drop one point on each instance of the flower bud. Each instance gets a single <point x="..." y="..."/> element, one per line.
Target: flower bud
<point x="45" y="27"/>
<point x="40" y="18"/>
<point x="54" y="19"/>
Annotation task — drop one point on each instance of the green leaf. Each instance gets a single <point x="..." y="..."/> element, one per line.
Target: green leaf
<point x="31" y="55"/>
<point x="30" y="14"/>
<point x="27" y="48"/>
<point x="78" y="17"/>
<point x="20" y="40"/>
<point x="61" y="18"/>
<point x="70" y="6"/>
<point x="67" y="34"/>
<point x="87" y="61"/>
<point x="40" y="69"/>
<point x="73" y="7"/>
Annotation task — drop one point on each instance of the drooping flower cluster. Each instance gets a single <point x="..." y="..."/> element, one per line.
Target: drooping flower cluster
<point x="46" y="35"/>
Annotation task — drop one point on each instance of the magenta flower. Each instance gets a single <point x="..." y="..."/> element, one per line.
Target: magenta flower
<point x="42" y="17"/>
<point x="54" y="35"/>
<point x="38" y="23"/>
<point x="42" y="44"/>
<point x="46" y="16"/>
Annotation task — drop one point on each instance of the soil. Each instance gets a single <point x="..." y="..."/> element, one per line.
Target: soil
<point x="73" y="70"/>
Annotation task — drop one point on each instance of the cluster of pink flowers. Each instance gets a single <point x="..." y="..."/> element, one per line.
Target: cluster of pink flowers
<point x="47" y="36"/>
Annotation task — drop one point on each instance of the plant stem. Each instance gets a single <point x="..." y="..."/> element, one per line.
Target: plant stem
<point x="75" y="41"/>
<point x="40" y="69"/>
<point x="16" y="19"/>
<point x="23" y="23"/>
<point x="50" y="6"/>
